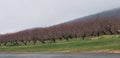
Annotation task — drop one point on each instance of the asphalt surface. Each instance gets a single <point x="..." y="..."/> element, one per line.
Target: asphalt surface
<point x="59" y="55"/>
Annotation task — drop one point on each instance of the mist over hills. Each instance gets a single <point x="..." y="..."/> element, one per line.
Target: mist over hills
<point x="115" y="13"/>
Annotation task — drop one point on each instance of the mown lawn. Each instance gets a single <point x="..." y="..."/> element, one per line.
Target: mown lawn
<point x="105" y="42"/>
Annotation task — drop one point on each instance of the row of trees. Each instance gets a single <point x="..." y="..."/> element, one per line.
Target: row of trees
<point x="81" y="29"/>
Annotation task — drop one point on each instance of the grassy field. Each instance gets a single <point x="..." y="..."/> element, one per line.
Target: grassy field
<point x="105" y="42"/>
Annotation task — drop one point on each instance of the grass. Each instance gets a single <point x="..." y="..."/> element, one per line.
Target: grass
<point x="105" y="42"/>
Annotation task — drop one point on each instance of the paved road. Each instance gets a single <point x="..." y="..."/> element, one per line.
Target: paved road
<point x="58" y="55"/>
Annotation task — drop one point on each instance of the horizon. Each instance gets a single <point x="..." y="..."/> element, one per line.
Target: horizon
<point x="17" y="15"/>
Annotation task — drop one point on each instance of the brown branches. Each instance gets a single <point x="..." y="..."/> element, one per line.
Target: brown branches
<point x="85" y="28"/>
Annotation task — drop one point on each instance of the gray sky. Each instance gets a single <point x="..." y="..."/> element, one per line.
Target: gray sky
<point x="16" y="15"/>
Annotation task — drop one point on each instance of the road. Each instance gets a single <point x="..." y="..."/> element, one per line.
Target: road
<point x="59" y="55"/>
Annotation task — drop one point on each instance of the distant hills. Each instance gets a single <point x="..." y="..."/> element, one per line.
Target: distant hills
<point x="114" y="13"/>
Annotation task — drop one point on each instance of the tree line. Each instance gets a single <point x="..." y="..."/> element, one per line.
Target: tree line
<point x="81" y="29"/>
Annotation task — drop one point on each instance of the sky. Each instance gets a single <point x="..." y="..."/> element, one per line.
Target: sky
<point x="17" y="15"/>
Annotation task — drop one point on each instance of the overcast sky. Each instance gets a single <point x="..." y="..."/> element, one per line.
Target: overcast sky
<point x="16" y="15"/>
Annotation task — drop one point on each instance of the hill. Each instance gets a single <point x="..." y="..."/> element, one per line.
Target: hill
<point x="105" y="23"/>
<point x="115" y="13"/>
